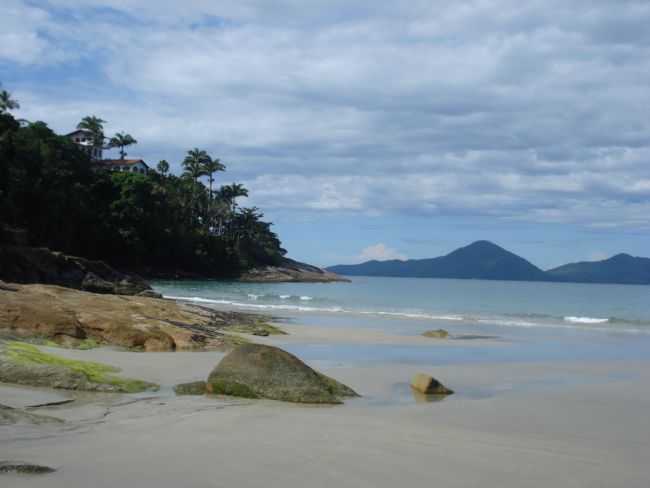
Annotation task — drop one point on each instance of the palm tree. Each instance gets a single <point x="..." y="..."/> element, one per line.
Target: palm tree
<point x="6" y="102"/>
<point x="94" y="125"/>
<point x="210" y="167"/>
<point x="194" y="168"/>
<point x="163" y="167"/>
<point x="122" y="140"/>
<point x="231" y="192"/>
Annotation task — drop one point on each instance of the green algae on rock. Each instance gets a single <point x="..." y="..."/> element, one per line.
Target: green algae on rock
<point x="260" y="371"/>
<point x="26" y="364"/>
<point x="261" y="328"/>
<point x="192" y="388"/>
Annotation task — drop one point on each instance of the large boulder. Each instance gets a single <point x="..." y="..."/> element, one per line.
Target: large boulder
<point x="260" y="371"/>
<point x="428" y="385"/>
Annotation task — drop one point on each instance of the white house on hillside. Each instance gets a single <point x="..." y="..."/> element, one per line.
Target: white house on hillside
<point x="84" y="139"/>
<point x="128" y="165"/>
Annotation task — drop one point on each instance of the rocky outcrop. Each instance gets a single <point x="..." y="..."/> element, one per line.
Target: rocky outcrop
<point x="69" y="316"/>
<point x="290" y="271"/>
<point x="259" y="371"/>
<point x="21" y="264"/>
<point x="428" y="385"/>
<point x="25" y="364"/>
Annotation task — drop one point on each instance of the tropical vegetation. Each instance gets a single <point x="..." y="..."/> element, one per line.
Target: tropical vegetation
<point x="156" y="223"/>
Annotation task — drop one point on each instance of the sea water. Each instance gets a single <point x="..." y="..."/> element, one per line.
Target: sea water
<point x="526" y="321"/>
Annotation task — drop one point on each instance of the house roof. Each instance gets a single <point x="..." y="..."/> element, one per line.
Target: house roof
<point x="79" y="131"/>
<point x="123" y="162"/>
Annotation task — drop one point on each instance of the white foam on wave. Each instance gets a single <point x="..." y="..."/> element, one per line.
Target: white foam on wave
<point x="583" y="323"/>
<point x="285" y="297"/>
<point x="585" y="320"/>
<point x="306" y="298"/>
<point x="252" y="296"/>
<point x="255" y="305"/>
<point x="412" y="315"/>
<point x="511" y="323"/>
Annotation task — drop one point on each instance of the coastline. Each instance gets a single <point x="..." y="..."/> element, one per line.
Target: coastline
<point x="493" y="430"/>
<point x="507" y="425"/>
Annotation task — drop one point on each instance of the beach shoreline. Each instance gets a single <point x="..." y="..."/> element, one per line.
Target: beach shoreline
<point x="508" y="424"/>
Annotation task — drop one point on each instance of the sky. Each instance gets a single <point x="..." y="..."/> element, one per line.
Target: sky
<point x="367" y="129"/>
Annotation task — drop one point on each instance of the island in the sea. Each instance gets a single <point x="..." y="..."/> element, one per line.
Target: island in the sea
<point x="484" y="260"/>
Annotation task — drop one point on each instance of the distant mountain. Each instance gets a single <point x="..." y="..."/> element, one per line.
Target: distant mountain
<point x="481" y="260"/>
<point x="622" y="268"/>
<point x="486" y="261"/>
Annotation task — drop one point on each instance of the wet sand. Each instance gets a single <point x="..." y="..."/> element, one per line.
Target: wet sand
<point x="568" y="424"/>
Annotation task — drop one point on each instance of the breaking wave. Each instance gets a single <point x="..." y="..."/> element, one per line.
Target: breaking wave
<point x="291" y="303"/>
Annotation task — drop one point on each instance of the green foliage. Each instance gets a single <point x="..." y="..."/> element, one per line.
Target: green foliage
<point x="122" y="140"/>
<point x="6" y="102"/>
<point x="157" y="223"/>
<point x="23" y="353"/>
<point x="96" y="126"/>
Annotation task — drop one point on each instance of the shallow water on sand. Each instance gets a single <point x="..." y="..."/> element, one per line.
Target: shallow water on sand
<point x="524" y="321"/>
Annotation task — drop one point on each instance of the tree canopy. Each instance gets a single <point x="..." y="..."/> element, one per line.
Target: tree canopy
<point x="156" y="223"/>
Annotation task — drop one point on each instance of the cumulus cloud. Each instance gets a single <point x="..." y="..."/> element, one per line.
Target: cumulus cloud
<point x="380" y="252"/>
<point x="534" y="111"/>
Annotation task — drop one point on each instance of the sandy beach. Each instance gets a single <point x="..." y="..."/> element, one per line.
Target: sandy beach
<point x="570" y="424"/>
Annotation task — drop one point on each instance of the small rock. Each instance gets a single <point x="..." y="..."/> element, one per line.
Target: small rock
<point x="193" y="388"/>
<point x="436" y="334"/>
<point x="261" y="332"/>
<point x="23" y="468"/>
<point x="428" y="385"/>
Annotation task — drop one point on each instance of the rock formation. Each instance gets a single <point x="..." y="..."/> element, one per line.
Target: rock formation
<point x="259" y="371"/>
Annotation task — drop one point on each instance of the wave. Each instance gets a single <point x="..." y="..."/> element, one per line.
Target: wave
<point x="233" y="303"/>
<point x="585" y="320"/>
<point x="411" y="315"/>
<point x="303" y="308"/>
<point x="505" y="320"/>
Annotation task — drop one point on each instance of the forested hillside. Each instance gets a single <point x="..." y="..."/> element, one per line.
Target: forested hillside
<point x="154" y="222"/>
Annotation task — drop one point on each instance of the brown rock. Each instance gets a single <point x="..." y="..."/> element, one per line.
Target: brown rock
<point x="436" y="334"/>
<point x="428" y="385"/>
<point x="66" y="315"/>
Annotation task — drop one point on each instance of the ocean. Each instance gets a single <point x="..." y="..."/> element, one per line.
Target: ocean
<point x="526" y="321"/>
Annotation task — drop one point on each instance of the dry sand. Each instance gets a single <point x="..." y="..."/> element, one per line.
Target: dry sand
<point x="518" y="425"/>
